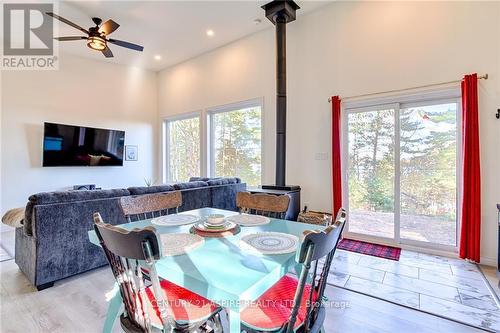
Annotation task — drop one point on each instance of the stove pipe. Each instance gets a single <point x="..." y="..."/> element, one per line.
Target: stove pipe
<point x="280" y="13"/>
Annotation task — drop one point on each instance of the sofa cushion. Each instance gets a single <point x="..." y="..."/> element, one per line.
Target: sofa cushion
<point x="203" y="179"/>
<point x="71" y="196"/>
<point x="213" y="182"/>
<point x="232" y="180"/>
<point x="223" y="181"/>
<point x="193" y="184"/>
<point x="150" y="189"/>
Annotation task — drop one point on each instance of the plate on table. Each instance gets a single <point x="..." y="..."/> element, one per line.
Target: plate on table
<point x="247" y="220"/>
<point x="218" y="234"/>
<point x="270" y="242"/>
<point x="175" y="220"/>
<point x="203" y="226"/>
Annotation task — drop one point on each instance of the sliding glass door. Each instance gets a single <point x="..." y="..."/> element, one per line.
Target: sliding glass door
<point x="371" y="171"/>
<point x="428" y="180"/>
<point x="401" y="170"/>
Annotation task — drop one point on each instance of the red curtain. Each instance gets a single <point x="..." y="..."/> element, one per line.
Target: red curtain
<point x="470" y="233"/>
<point x="336" y="156"/>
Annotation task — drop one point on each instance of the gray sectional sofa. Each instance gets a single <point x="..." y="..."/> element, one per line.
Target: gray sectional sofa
<point x="53" y="242"/>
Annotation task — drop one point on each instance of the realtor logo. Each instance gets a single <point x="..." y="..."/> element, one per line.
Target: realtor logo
<point x="28" y="42"/>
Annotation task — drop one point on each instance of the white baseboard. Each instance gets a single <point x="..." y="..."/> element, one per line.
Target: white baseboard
<point x="488" y="261"/>
<point x="448" y="254"/>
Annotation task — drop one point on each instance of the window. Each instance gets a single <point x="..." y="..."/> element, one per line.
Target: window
<point x="236" y="142"/>
<point x="401" y="169"/>
<point x="223" y="141"/>
<point x="182" y="148"/>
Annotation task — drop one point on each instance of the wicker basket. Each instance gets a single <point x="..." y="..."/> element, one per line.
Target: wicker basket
<point x="312" y="217"/>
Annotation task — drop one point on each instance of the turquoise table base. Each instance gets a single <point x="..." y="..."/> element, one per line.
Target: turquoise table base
<point x="220" y="270"/>
<point x="115" y="304"/>
<point x="234" y="320"/>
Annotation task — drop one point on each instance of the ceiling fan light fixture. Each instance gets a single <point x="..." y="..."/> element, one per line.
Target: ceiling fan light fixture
<point x="97" y="37"/>
<point x="96" y="43"/>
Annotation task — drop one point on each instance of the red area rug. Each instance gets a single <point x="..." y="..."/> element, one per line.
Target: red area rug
<point x="376" y="250"/>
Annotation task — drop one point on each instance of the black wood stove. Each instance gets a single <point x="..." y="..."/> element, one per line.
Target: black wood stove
<point x="280" y="13"/>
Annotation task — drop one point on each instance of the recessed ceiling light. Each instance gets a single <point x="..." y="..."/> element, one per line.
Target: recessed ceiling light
<point x="157" y="57"/>
<point x="210" y="33"/>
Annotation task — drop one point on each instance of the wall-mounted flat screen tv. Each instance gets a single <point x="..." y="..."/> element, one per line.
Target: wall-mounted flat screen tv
<point x="67" y="145"/>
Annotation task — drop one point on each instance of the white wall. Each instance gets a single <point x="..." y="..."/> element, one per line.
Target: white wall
<point x="241" y="71"/>
<point x="352" y="48"/>
<point x="82" y="92"/>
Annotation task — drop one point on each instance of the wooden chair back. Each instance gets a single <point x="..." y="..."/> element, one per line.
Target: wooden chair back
<point x="263" y="204"/>
<point x="146" y="206"/>
<point x="341" y="216"/>
<point x="125" y="251"/>
<point x="316" y="247"/>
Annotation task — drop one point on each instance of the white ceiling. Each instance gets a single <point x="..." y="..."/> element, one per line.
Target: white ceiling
<point x="175" y="30"/>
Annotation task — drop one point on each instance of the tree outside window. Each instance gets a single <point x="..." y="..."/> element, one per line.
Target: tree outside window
<point x="237" y="144"/>
<point x="183" y="149"/>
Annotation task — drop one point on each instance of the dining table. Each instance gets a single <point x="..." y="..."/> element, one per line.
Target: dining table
<point x="220" y="270"/>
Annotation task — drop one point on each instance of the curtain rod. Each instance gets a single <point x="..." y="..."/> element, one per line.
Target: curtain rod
<point x="482" y="77"/>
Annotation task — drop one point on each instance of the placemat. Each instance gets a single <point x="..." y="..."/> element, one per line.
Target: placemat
<point x="247" y="220"/>
<point x="270" y="243"/>
<point x="175" y="220"/>
<point x="180" y="243"/>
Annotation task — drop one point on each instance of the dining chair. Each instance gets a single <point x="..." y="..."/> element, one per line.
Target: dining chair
<point x="341" y="216"/>
<point x="297" y="305"/>
<point x="146" y="206"/>
<point x="263" y="204"/>
<point x="155" y="305"/>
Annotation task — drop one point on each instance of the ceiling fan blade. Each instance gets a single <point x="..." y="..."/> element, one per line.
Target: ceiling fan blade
<point x="63" y="39"/>
<point x="126" y="44"/>
<point x="107" y="52"/>
<point x="108" y="27"/>
<point x="68" y="22"/>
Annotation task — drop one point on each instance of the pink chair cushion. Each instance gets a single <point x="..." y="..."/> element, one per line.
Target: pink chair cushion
<point x="183" y="305"/>
<point x="273" y="308"/>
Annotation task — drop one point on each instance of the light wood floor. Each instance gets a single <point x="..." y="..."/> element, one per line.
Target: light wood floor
<point x="79" y="304"/>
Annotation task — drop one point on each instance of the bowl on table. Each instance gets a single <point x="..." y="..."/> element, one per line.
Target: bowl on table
<point x="215" y="220"/>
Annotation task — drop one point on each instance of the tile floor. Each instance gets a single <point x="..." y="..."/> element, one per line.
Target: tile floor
<point x="82" y="304"/>
<point x="447" y="287"/>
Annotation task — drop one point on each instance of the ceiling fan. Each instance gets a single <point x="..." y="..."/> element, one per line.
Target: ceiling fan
<point x="97" y="37"/>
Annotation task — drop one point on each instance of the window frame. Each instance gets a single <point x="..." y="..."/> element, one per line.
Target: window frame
<point x="166" y="139"/>
<point x="206" y="167"/>
<point x="397" y="102"/>
<point x="210" y="135"/>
